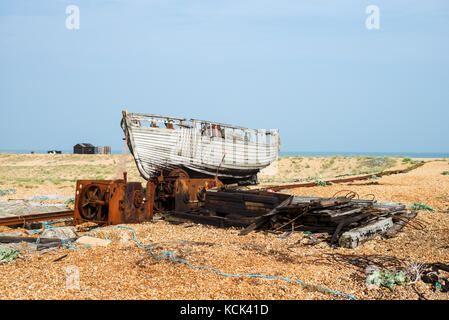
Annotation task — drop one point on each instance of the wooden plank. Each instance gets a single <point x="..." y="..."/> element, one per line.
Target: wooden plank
<point x="210" y="220"/>
<point x="334" y="216"/>
<point x="13" y="239"/>
<point x="216" y="221"/>
<point x="356" y="236"/>
<point x="241" y="197"/>
<point x="329" y="202"/>
<point x="265" y="217"/>
<point x="346" y="222"/>
<point x="401" y="221"/>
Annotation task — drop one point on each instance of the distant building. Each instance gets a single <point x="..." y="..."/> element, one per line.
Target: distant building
<point x="103" y="149"/>
<point x="84" y="148"/>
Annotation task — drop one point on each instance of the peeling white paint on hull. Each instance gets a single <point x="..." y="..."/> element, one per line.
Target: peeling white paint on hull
<point x="203" y="147"/>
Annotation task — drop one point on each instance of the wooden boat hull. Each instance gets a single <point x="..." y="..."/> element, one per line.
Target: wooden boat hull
<point x="202" y="148"/>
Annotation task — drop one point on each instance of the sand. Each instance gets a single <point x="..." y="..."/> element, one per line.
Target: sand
<point x="125" y="270"/>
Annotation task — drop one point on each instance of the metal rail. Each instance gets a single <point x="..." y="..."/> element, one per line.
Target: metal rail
<point x="351" y="179"/>
<point x="8" y="221"/>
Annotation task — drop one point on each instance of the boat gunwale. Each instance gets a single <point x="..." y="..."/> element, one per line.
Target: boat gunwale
<point x="136" y="115"/>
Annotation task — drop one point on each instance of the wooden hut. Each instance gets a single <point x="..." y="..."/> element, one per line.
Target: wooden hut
<point x="84" y="148"/>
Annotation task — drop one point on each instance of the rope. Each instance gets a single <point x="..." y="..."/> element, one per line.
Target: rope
<point x="171" y="257"/>
<point x="65" y="243"/>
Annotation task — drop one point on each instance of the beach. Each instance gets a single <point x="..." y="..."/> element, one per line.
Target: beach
<point x="126" y="270"/>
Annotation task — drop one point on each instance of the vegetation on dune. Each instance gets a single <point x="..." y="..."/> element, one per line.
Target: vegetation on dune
<point x="33" y="171"/>
<point x="29" y="172"/>
<point x="305" y="168"/>
<point x="422" y="206"/>
<point x="8" y="254"/>
<point x="377" y="163"/>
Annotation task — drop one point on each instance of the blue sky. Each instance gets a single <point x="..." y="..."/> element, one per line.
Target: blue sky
<point x="310" y="68"/>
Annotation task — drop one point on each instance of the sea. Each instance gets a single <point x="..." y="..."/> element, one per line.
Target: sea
<point x="364" y="154"/>
<point x="294" y="153"/>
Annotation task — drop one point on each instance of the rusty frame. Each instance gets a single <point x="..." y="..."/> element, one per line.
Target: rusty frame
<point x="9" y="221"/>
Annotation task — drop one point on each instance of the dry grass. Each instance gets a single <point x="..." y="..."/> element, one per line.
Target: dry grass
<point x="307" y="168"/>
<point x="46" y="174"/>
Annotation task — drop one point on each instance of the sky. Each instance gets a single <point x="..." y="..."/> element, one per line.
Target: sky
<point x="310" y="68"/>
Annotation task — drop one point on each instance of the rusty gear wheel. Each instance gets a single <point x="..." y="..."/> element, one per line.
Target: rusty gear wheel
<point x="180" y="173"/>
<point x="91" y="202"/>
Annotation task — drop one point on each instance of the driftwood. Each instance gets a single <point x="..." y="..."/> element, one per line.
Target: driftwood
<point x="356" y="236"/>
<point x="346" y="222"/>
<point x="399" y="222"/>
<point x="12" y="239"/>
<point x="53" y="244"/>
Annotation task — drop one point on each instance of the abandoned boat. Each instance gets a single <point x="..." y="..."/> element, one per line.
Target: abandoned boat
<point x="234" y="154"/>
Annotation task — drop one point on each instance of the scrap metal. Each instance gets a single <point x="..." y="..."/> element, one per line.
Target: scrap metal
<point x="119" y="201"/>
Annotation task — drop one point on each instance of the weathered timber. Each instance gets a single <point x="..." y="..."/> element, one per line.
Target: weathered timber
<point x="263" y="219"/>
<point x="328" y="202"/>
<point x="216" y="221"/>
<point x="356" y="236"/>
<point x="240" y="196"/>
<point x="12" y="239"/>
<point x="261" y="210"/>
<point x="336" y="216"/>
<point x="346" y="222"/>
<point x="400" y="221"/>
<point x="244" y="208"/>
<point x="54" y="244"/>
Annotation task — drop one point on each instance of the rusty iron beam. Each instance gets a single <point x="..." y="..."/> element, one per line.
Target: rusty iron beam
<point x="350" y="179"/>
<point x="8" y="221"/>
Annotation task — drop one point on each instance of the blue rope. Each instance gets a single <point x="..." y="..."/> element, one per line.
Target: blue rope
<point x="170" y="255"/>
<point x="87" y="234"/>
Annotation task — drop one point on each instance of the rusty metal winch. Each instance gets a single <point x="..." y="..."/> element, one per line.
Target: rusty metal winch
<point x="119" y="201"/>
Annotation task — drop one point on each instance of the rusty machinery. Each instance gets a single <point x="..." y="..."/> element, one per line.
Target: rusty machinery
<point x="119" y="201"/>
